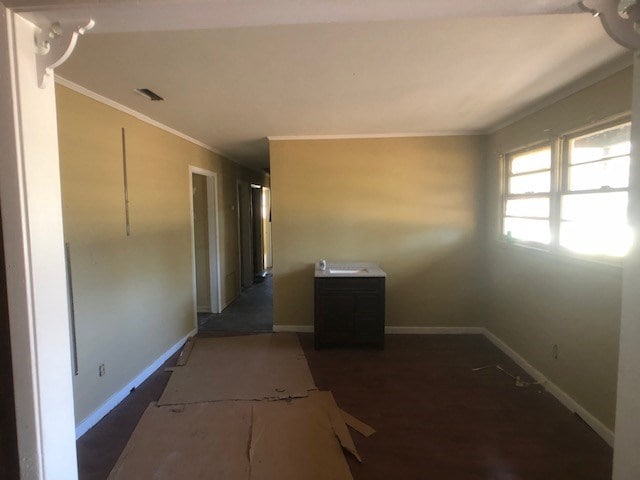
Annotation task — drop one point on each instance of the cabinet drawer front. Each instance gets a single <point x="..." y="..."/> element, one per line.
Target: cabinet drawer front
<point x="350" y="284"/>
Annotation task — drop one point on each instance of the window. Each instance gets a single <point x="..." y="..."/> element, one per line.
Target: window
<point x="587" y="212"/>
<point x="528" y="199"/>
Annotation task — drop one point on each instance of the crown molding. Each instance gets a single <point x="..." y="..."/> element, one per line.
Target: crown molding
<point x="452" y="133"/>
<point x="140" y="116"/>
<point x="608" y="69"/>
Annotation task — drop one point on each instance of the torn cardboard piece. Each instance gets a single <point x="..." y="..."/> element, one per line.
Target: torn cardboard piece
<point x="337" y="420"/>
<point x="358" y="425"/>
<point x="298" y="440"/>
<point x="235" y="440"/>
<point x="249" y="367"/>
<point x="186" y="351"/>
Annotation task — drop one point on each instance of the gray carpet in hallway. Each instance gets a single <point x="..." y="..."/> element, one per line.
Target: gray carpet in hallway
<point x="252" y="311"/>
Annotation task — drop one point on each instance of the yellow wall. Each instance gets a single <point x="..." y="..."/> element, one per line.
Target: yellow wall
<point x="409" y="204"/>
<point x="201" y="241"/>
<point x="540" y="299"/>
<point x="133" y="295"/>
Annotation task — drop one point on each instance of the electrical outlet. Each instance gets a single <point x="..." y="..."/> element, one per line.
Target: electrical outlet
<point x="554" y="351"/>
<point x="101" y="370"/>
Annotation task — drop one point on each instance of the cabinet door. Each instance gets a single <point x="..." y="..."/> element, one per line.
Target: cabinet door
<point x="336" y="314"/>
<point x="367" y="318"/>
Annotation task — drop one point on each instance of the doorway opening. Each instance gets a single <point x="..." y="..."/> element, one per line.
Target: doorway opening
<point x="205" y="245"/>
<point x="9" y="466"/>
<point x="252" y="309"/>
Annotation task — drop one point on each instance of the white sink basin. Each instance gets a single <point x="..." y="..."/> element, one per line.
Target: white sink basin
<point x="347" y="271"/>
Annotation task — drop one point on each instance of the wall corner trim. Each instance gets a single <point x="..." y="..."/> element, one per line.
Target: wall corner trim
<point x="120" y="395"/>
<point x="602" y="430"/>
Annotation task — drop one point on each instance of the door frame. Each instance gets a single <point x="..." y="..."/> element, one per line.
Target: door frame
<point x="266" y="232"/>
<point x="215" y="290"/>
<point x="257" y="229"/>
<point x="238" y="220"/>
<point x="35" y="261"/>
<point x="241" y="250"/>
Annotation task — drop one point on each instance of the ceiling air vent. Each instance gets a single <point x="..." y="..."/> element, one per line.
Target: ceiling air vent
<point x="149" y="94"/>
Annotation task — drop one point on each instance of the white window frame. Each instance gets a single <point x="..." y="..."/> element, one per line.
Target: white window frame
<point x="560" y="146"/>
<point x="506" y="175"/>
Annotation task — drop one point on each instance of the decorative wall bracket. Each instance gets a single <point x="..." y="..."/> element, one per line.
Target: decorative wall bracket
<point x="55" y="43"/>
<point x="620" y="19"/>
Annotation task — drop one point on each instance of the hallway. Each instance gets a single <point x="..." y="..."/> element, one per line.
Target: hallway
<point x="251" y="312"/>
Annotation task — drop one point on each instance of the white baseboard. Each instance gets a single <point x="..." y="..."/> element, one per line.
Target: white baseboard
<point x="117" y="397"/>
<point x="293" y="328"/>
<point x="434" y="330"/>
<point x="396" y="330"/>
<point x="553" y="389"/>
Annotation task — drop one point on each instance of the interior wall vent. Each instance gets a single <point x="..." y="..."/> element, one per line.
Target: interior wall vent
<point x="151" y="95"/>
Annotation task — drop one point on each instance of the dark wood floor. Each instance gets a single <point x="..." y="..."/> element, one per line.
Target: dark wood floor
<point x="435" y="418"/>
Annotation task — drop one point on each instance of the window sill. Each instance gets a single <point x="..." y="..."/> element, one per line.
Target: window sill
<point x="607" y="265"/>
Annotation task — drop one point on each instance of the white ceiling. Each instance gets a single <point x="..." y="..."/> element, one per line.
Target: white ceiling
<point x="231" y="87"/>
<point x="155" y="15"/>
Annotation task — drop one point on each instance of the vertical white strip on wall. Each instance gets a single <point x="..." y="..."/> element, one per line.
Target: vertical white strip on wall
<point x="214" y="241"/>
<point x="34" y="250"/>
<point x="626" y="461"/>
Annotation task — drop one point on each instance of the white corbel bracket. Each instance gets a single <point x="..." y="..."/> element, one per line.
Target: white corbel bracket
<point x="620" y="19"/>
<point x="55" y="43"/>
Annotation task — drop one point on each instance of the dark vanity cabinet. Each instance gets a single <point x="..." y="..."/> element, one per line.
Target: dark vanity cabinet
<point x="349" y="311"/>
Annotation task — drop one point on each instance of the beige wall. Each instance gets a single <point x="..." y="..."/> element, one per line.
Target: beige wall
<point x="540" y="299"/>
<point x="409" y="204"/>
<point x="133" y="295"/>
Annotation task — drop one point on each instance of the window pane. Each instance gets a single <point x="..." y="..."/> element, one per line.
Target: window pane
<point x="593" y="238"/>
<point x="526" y="229"/>
<point x="596" y="208"/>
<point x="608" y="173"/>
<point x="531" y="161"/>
<point x="528" y="207"/>
<point x="534" y="183"/>
<point x="605" y="143"/>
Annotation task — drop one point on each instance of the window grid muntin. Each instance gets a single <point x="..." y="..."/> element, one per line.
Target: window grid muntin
<point x="595" y="162"/>
<point x="594" y="131"/>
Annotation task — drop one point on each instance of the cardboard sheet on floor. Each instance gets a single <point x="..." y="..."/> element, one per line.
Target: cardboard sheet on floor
<point x="249" y="367"/>
<point x="236" y="440"/>
<point x="199" y="441"/>
<point x="298" y="440"/>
